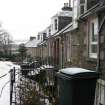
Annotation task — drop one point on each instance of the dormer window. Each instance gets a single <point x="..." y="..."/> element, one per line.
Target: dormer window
<point x="91" y="3"/>
<point x="82" y="1"/>
<point x="38" y="37"/>
<point x="52" y="26"/>
<point x="55" y="24"/>
<point x="44" y="36"/>
<point x="49" y="31"/>
<point x="82" y="7"/>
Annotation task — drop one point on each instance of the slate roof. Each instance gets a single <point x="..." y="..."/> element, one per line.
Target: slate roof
<point x="32" y="43"/>
<point x="100" y="6"/>
<point x="64" y="14"/>
<point x="66" y="29"/>
<point x="95" y="9"/>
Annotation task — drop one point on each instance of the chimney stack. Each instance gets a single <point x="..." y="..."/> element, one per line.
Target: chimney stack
<point x="67" y="7"/>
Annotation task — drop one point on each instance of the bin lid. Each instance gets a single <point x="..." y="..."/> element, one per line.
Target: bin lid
<point x="77" y="73"/>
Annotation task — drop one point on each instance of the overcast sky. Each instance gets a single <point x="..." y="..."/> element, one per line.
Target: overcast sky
<point x="24" y="18"/>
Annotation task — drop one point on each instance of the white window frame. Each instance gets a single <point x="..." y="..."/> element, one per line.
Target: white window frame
<point x="91" y="42"/>
<point x="80" y="9"/>
<point x="82" y="4"/>
<point x="38" y="37"/>
<point x="75" y="13"/>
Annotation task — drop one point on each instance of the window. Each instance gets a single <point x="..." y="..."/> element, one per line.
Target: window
<point x="44" y="36"/>
<point x="82" y="1"/>
<point x="55" y="24"/>
<point x="52" y="26"/>
<point x="93" y="38"/>
<point x="38" y="37"/>
<point x="68" y="48"/>
<point x="82" y="7"/>
<point x="49" y="31"/>
<point x="91" y="3"/>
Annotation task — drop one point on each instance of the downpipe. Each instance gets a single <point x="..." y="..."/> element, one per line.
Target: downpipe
<point x="98" y="68"/>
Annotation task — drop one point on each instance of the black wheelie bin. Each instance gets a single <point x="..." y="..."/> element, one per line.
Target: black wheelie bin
<point x="76" y="86"/>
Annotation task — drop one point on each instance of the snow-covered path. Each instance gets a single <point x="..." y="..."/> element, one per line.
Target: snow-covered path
<point x="5" y="67"/>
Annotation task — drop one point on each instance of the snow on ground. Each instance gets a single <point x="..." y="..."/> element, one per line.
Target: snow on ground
<point x="5" y="67"/>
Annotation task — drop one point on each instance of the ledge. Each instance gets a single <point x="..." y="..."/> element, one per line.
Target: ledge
<point x="94" y="60"/>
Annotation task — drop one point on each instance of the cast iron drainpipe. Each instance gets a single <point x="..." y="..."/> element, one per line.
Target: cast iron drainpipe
<point x="99" y="45"/>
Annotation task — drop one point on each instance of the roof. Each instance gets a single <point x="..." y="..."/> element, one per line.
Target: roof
<point x="32" y="43"/>
<point x="95" y="9"/>
<point x="66" y="29"/>
<point x="42" y="43"/>
<point x="64" y="14"/>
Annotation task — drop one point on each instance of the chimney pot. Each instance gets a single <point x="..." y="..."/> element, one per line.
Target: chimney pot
<point x="67" y="7"/>
<point x="65" y="4"/>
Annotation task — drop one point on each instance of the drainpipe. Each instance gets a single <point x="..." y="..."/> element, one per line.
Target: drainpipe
<point x="69" y="3"/>
<point x="99" y="45"/>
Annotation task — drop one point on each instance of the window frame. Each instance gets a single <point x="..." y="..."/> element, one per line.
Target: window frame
<point x="91" y="41"/>
<point x="38" y="37"/>
<point x="84" y="4"/>
<point x="75" y="13"/>
<point x="56" y="24"/>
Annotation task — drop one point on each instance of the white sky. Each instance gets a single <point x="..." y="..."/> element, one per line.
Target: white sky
<point x="24" y="18"/>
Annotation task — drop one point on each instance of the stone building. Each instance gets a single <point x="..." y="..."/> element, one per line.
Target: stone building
<point x="50" y="46"/>
<point x="86" y="43"/>
<point x="76" y="38"/>
<point x="32" y="48"/>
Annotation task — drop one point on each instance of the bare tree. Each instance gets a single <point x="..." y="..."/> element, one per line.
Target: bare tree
<point x="5" y="42"/>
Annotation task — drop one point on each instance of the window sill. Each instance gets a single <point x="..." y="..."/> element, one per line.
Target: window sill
<point x="93" y="55"/>
<point x="91" y="60"/>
